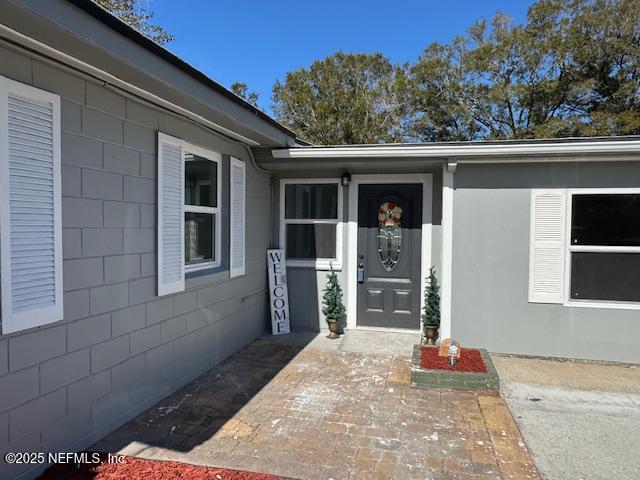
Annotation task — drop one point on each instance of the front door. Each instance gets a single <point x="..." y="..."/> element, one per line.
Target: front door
<point x="389" y="255"/>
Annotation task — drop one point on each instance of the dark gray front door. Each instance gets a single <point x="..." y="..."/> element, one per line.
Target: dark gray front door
<point x="389" y="246"/>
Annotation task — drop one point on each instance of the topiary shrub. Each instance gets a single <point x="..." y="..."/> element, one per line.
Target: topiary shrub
<point x="431" y="309"/>
<point x="332" y="306"/>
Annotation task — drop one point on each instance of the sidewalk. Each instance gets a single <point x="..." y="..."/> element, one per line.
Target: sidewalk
<point x="579" y="420"/>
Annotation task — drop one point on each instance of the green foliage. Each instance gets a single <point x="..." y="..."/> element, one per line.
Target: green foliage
<point x="431" y="309"/>
<point x="137" y="17"/>
<point x="241" y="89"/>
<point x="572" y="69"/>
<point x="344" y="99"/>
<point x="332" y="306"/>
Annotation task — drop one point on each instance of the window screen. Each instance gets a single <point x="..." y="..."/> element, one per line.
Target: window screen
<point x="311" y="201"/>
<point x="309" y="241"/>
<point x="605" y="276"/>
<point x="201" y="181"/>
<point x="605" y="219"/>
<point x="199" y="232"/>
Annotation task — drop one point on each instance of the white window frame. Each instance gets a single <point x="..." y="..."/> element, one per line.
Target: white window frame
<point x="318" y="263"/>
<point x="572" y="302"/>
<point x="216" y="211"/>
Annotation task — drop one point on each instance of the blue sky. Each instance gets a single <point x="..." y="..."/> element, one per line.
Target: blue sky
<point x="259" y="41"/>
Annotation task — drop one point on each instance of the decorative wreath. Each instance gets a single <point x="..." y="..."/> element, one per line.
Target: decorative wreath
<point x="389" y="214"/>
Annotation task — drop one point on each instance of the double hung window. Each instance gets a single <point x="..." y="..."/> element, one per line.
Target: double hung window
<point x="604" y="247"/>
<point x="201" y="210"/>
<point x="311" y="222"/>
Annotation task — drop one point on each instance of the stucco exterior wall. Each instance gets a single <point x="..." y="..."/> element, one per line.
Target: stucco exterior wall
<point x="491" y="214"/>
<point x="120" y="348"/>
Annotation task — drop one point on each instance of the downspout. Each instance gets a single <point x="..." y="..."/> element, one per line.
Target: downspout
<point x="446" y="250"/>
<point x="271" y="189"/>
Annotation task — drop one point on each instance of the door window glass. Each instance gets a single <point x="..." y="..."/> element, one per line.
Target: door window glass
<point x="389" y="235"/>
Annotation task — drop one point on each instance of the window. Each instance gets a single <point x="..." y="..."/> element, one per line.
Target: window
<point x="201" y="209"/>
<point x="585" y="247"/>
<point x="190" y="212"/>
<point x="604" y="246"/>
<point x="310" y="222"/>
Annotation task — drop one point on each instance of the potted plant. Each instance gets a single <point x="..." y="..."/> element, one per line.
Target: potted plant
<point x="332" y="306"/>
<point x="431" y="309"/>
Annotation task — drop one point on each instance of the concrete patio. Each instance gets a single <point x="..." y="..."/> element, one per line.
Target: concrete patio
<point x="306" y="407"/>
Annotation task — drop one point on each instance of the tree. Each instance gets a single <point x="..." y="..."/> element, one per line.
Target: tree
<point x="344" y="99"/>
<point x="241" y="90"/>
<point x="137" y="17"/>
<point x="572" y="69"/>
<point x="498" y="82"/>
<point x="602" y="41"/>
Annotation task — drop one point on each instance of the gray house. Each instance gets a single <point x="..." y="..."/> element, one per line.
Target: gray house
<point x="535" y="243"/>
<point x="138" y="198"/>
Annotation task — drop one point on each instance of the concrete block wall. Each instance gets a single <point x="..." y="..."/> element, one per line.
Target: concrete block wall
<point x="120" y="348"/>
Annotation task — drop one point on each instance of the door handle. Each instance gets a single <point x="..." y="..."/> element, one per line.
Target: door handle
<point x="361" y="269"/>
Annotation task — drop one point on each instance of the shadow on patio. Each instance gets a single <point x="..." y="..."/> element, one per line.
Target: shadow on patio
<point x="194" y="414"/>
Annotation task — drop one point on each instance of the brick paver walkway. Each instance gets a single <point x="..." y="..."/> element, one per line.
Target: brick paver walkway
<point x="315" y="413"/>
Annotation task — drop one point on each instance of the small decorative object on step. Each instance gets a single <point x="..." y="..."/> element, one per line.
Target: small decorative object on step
<point x="453" y="351"/>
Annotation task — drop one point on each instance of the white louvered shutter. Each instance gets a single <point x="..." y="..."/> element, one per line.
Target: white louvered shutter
<point x="170" y="215"/>
<point x="30" y="207"/>
<point x="238" y="221"/>
<point x="547" y="246"/>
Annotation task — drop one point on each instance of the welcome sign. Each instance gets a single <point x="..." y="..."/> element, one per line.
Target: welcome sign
<point x="278" y="294"/>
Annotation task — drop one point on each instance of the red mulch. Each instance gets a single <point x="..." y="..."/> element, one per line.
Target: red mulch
<point x="470" y="360"/>
<point x="139" y="469"/>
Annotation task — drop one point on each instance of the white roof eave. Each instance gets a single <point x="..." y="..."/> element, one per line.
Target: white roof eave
<point x="490" y="152"/>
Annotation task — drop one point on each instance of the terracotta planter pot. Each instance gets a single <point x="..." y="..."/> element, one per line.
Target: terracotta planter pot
<point x="431" y="333"/>
<point x="333" y="328"/>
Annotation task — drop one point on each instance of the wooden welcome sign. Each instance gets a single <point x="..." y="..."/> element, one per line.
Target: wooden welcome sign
<point x="278" y="294"/>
